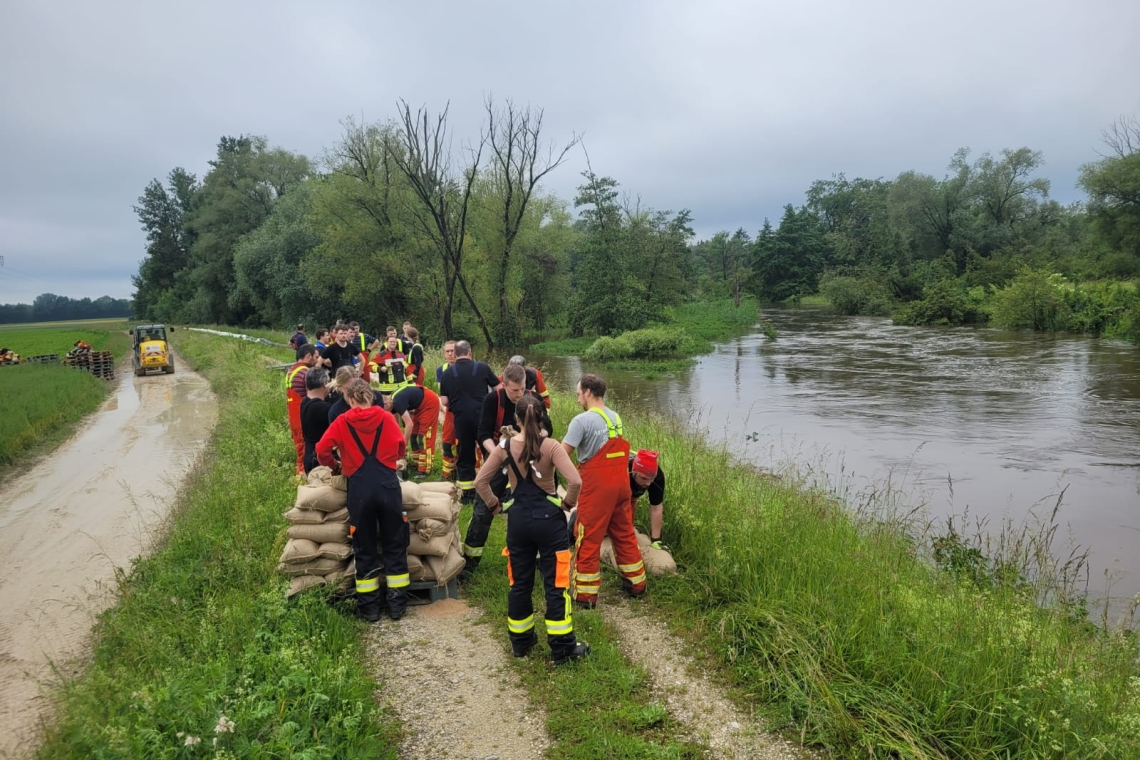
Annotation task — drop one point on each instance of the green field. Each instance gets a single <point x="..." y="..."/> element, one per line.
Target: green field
<point x="41" y="404"/>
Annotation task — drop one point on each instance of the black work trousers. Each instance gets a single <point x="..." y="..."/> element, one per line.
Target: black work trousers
<point x="536" y="537"/>
<point x="481" y="519"/>
<point x="379" y="537"/>
<point x="467" y="431"/>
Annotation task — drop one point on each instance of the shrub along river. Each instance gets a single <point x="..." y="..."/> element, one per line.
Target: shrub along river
<point x="992" y="423"/>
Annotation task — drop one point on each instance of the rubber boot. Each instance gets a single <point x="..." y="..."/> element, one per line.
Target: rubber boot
<point x="579" y="651"/>
<point x="397" y="603"/>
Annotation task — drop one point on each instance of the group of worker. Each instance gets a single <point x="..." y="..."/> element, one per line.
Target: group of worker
<point x="498" y="443"/>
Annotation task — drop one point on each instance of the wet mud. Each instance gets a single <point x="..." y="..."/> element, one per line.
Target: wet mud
<point x="72" y="524"/>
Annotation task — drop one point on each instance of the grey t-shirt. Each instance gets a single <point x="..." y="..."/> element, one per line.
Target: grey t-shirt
<point x="588" y="433"/>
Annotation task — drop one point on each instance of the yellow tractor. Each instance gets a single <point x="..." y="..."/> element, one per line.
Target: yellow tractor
<point x="150" y="351"/>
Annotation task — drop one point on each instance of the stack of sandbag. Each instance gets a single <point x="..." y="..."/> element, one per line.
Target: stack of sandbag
<point x="319" y="551"/>
<point x="434" y="552"/>
<point x="657" y="561"/>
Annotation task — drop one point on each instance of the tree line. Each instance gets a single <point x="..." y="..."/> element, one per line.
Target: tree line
<point x="400" y="219"/>
<point x="48" y="307"/>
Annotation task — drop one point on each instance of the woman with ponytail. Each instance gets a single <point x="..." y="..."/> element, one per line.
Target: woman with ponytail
<point x="536" y="530"/>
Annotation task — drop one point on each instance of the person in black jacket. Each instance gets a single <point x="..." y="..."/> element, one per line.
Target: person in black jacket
<point x="462" y="389"/>
<point x="314" y="413"/>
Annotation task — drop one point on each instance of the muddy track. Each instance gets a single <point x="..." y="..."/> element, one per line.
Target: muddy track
<point x="74" y="522"/>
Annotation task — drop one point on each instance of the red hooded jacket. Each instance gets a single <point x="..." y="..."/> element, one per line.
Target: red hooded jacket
<point x="365" y="421"/>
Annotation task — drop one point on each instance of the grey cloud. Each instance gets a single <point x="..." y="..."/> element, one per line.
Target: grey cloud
<point x="730" y="109"/>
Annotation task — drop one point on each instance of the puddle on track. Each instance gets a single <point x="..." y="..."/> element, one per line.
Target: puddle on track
<point x="84" y="510"/>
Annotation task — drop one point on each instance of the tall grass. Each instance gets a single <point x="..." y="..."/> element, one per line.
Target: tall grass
<point x="202" y="628"/>
<point x="39" y="403"/>
<point x="840" y="620"/>
<point x="37" y="340"/>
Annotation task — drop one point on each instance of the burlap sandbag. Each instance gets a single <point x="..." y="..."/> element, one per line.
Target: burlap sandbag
<point x="339" y="482"/>
<point x="415" y="568"/>
<point x="449" y="490"/>
<point x="341" y="515"/>
<point x="434" y="507"/>
<point x="642" y="539"/>
<point x="319" y="566"/>
<point x="608" y="553"/>
<point x="411" y="493"/>
<point x="300" y="550"/>
<point x="300" y="583"/>
<point x="434" y="547"/>
<point x="305" y="516"/>
<point x="320" y="476"/>
<point x="336" y="550"/>
<point x="324" y="498"/>
<point x="427" y="574"/>
<point x="320" y="533"/>
<point x="429" y="528"/>
<point x="443" y="569"/>
<point x="658" y="561"/>
<point x="345" y="578"/>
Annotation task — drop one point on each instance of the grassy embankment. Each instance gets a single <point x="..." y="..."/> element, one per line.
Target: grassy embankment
<point x="42" y="403"/>
<point x="202" y="628"/>
<point x="838" y="623"/>
<point x="665" y="346"/>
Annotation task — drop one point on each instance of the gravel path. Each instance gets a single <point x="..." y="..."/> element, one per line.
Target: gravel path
<point x="691" y="698"/>
<point x="450" y="683"/>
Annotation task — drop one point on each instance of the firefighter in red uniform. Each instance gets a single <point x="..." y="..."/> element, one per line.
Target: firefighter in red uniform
<point x="604" y="506"/>
<point x="295" y="393"/>
<point x="449" y="446"/>
<point x="369" y="442"/>
<point x="419" y="409"/>
<point x="534" y="379"/>
<point x="391" y="367"/>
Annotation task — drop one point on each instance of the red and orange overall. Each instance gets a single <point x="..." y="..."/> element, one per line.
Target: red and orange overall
<point x="425" y="423"/>
<point x="604" y="508"/>
<point x="293" y="407"/>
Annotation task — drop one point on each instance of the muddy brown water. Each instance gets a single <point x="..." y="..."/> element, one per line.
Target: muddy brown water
<point x="993" y="421"/>
<point x="76" y="519"/>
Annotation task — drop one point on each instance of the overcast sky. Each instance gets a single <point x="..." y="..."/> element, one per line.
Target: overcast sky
<point x="730" y="109"/>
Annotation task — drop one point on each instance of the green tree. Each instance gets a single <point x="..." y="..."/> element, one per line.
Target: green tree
<point x="789" y="262"/>
<point x="1113" y="185"/>
<point x="162" y="211"/>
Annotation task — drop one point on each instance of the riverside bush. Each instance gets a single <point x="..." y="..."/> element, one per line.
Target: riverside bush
<point x="855" y="295"/>
<point x="835" y="619"/>
<point x="650" y="343"/>
<point x="945" y="302"/>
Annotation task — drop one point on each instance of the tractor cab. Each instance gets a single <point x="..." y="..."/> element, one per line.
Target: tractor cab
<point x="150" y="350"/>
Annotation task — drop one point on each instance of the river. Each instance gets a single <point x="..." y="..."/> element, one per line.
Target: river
<point x="993" y="422"/>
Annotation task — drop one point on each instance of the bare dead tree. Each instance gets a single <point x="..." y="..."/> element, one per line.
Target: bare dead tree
<point x="422" y="153"/>
<point x="1123" y="135"/>
<point x="518" y="163"/>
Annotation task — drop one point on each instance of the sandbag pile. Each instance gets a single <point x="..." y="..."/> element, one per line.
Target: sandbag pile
<point x="657" y="561"/>
<point x="434" y="552"/>
<point x="319" y="551"/>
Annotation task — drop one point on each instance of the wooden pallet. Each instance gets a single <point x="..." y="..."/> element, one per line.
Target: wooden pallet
<point x="98" y="363"/>
<point x="44" y="359"/>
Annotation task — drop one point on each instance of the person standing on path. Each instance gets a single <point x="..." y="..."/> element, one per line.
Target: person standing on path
<point x="604" y="506"/>
<point x="314" y="413"/>
<point x="341" y="353"/>
<point x="465" y="384"/>
<point x="419" y="409"/>
<point x="536" y="532"/>
<point x="534" y="380"/>
<point x="369" y="442"/>
<point x="294" y="394"/>
<point x="449" y="446"/>
<point x="498" y="409"/>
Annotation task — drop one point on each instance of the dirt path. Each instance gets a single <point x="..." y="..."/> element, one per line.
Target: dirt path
<point x="691" y="697"/>
<point x="73" y="522"/>
<point x="449" y="681"/>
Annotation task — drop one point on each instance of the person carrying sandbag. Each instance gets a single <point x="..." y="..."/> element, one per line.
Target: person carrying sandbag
<point x="603" y="457"/>
<point x="370" y="443"/>
<point x="536" y="531"/>
<point x="646" y="475"/>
